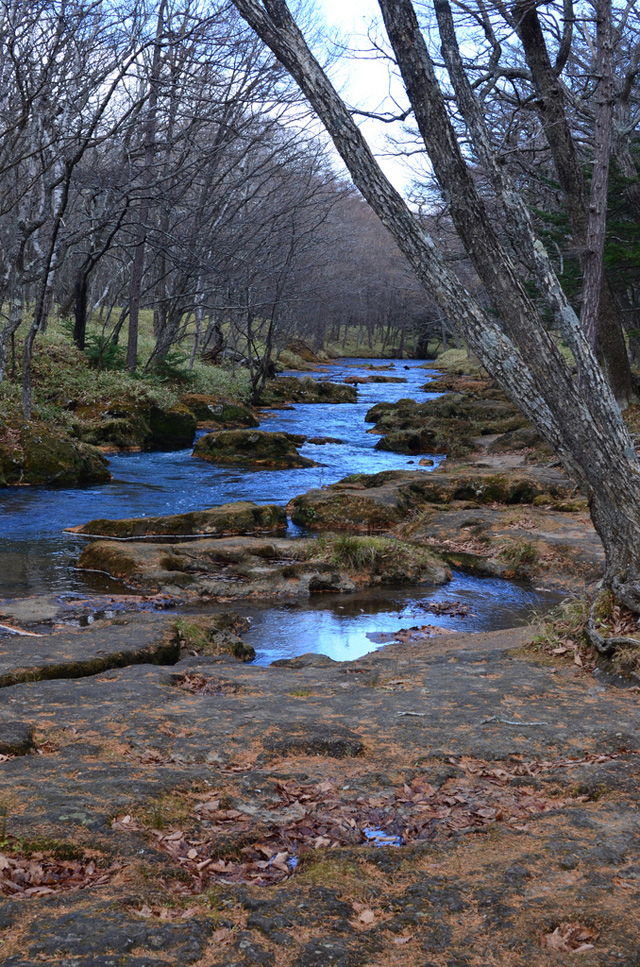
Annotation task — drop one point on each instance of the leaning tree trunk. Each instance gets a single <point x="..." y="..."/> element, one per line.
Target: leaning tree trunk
<point x="578" y="418"/>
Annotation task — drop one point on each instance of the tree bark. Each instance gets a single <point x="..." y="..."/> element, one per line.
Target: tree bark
<point x="600" y="313"/>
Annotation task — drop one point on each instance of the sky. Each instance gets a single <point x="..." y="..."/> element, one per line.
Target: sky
<point x="364" y="81"/>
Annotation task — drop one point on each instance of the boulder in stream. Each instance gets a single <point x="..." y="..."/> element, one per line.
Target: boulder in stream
<point x="253" y="448"/>
<point x="290" y="389"/>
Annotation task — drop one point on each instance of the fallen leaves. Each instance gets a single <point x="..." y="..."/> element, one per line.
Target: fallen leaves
<point x="262" y="845"/>
<point x="453" y="609"/>
<point x="200" y="685"/>
<point x="41" y="874"/>
<point x="573" y="938"/>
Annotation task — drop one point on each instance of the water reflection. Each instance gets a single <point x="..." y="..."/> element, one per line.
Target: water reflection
<point x="347" y="627"/>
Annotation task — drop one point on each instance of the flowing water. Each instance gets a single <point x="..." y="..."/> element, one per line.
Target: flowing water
<point x="36" y="557"/>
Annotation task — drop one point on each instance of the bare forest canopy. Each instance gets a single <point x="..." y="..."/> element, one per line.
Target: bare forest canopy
<point x="155" y="161"/>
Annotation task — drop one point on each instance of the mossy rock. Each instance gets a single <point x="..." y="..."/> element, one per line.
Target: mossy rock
<point x="381" y="560"/>
<point x="455" y="441"/>
<point x="127" y="425"/>
<point x="37" y="454"/>
<point x="113" y="559"/>
<point x="172" y="428"/>
<point x="223" y="413"/>
<point x="243" y="517"/>
<point x="215" y="634"/>
<point x="120" y="433"/>
<point x="445" y="425"/>
<point x="253" y="448"/>
<point x="335" y="511"/>
<point x="290" y="389"/>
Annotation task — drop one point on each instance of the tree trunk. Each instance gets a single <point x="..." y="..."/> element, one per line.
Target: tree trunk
<point x="588" y="227"/>
<point x="80" y="322"/>
<point x="137" y="270"/>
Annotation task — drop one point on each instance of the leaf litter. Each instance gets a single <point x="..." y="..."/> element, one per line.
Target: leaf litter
<point x="230" y="841"/>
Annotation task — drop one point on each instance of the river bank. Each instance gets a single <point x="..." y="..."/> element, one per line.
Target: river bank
<point x="444" y="801"/>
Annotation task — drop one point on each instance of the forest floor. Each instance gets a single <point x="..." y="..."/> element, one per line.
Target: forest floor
<point x="448" y="801"/>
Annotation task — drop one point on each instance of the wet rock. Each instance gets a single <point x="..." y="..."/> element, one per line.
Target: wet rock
<point x="227" y="568"/>
<point x="332" y="510"/>
<point x="309" y="660"/>
<point x="215" y="635"/>
<point x="254" y="448"/>
<point x="374" y="378"/>
<point x="243" y="517"/>
<point x="242" y="567"/>
<point x="217" y="412"/>
<point x="301" y="738"/>
<point x="512" y="541"/>
<point x="321" y="440"/>
<point x="172" y="428"/>
<point x="448" y="424"/>
<point x="38" y="454"/>
<point x="16" y="738"/>
<point x="378" y="502"/>
<point x="290" y="389"/>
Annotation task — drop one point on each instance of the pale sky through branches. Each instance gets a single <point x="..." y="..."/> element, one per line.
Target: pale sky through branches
<point x="363" y="77"/>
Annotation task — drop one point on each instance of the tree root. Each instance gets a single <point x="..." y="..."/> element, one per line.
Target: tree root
<point x="605" y="646"/>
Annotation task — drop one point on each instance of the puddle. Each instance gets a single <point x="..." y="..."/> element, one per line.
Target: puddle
<point x="378" y="837"/>
<point x="346" y="627"/>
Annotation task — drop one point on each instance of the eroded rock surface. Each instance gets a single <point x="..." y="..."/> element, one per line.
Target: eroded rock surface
<point x="243" y="517"/>
<point x="455" y="801"/>
<point x="246" y="567"/>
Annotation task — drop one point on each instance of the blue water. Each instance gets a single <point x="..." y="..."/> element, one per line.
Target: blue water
<point x="36" y="557"/>
<point x="345" y="627"/>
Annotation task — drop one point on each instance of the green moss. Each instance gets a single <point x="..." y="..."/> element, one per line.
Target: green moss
<point x="243" y="517"/>
<point x="383" y="559"/>
<point x="215" y="635"/>
<point x="520" y="554"/>
<point x="251" y="448"/>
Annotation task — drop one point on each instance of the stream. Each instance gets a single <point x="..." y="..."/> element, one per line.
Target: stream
<point x="36" y="557"/>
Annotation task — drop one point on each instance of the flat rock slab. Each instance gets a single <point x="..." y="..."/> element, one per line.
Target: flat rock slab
<point x="250" y="567"/>
<point x="377" y="502"/>
<point x="560" y="548"/>
<point x="511" y="783"/>
<point x="16" y="738"/>
<point x="75" y="654"/>
<point x="300" y="738"/>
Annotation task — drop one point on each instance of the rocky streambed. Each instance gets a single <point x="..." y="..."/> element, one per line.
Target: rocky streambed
<point x="446" y="799"/>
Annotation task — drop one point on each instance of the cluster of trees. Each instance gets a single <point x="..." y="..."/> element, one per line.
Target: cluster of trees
<point x="153" y="157"/>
